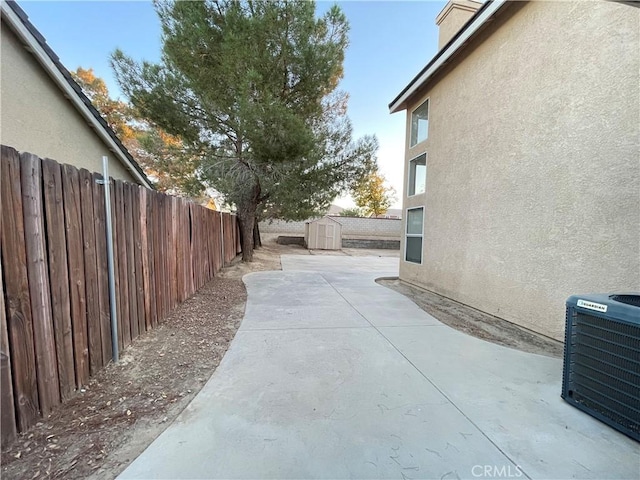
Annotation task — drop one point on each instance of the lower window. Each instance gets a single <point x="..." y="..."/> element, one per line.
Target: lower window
<point x="414" y="234"/>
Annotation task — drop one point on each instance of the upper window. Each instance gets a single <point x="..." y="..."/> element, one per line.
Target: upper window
<point x="420" y="124"/>
<point x="417" y="175"/>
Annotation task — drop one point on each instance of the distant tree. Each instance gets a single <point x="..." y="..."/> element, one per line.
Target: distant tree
<point x="162" y="156"/>
<point x="372" y="195"/>
<point x="119" y="115"/>
<point x="172" y="166"/>
<point x="250" y="87"/>
<point x="352" y="212"/>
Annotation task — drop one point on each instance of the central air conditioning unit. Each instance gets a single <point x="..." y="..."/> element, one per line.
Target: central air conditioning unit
<point x="602" y="359"/>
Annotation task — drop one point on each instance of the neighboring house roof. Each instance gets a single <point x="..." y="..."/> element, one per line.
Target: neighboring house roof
<point x="35" y="43"/>
<point x="446" y="54"/>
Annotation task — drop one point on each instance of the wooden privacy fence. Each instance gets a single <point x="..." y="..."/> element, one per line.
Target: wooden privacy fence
<point x="54" y="311"/>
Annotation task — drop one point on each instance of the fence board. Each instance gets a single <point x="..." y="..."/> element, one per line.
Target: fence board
<point x="229" y="237"/>
<point x="38" y="275"/>
<point x="221" y="240"/>
<point x="163" y="292"/>
<point x="173" y="255"/>
<point x="212" y="223"/>
<point x="94" y="337"/>
<point x="180" y="260"/>
<point x="164" y="253"/>
<point x="221" y="250"/>
<point x="154" y="265"/>
<point x="168" y="251"/>
<point x="115" y="225"/>
<point x="217" y="245"/>
<point x="73" y="219"/>
<point x="164" y="257"/>
<point x="207" y="243"/>
<point x="201" y="248"/>
<point x="124" y="321"/>
<point x="184" y="260"/>
<point x="213" y="251"/>
<point x="159" y="252"/>
<point x="201" y="251"/>
<point x="99" y="215"/>
<point x="187" y="257"/>
<point x="131" y="260"/>
<point x="188" y="239"/>
<point x="195" y="248"/>
<point x="58" y="275"/>
<point x="204" y="241"/>
<point x="19" y="321"/>
<point x="145" y="221"/>
<point x="137" y="244"/>
<point x="191" y="241"/>
<point x="196" y="253"/>
<point x="8" y="427"/>
<point x="160" y="294"/>
<point x="189" y="248"/>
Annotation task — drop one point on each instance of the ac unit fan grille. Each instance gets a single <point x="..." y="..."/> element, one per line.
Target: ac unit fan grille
<point x="628" y="299"/>
<point x="605" y="368"/>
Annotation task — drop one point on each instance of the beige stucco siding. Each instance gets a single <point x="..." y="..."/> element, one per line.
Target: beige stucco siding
<point x="37" y="118"/>
<point x="533" y="188"/>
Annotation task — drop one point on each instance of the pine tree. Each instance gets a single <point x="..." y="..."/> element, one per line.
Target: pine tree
<point x="251" y="88"/>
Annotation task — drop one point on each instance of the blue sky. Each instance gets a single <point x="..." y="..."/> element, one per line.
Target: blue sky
<point x="390" y="41"/>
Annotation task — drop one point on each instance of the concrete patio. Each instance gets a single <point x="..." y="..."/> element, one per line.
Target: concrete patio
<point x="334" y="376"/>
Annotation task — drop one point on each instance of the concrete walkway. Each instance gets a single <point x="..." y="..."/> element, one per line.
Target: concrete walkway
<point x="333" y="376"/>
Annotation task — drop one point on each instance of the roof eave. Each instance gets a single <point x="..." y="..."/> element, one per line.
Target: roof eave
<point x="486" y="12"/>
<point x="77" y="98"/>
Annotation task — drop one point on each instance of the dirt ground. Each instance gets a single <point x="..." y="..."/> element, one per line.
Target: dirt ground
<point x="476" y="323"/>
<point x="126" y="406"/>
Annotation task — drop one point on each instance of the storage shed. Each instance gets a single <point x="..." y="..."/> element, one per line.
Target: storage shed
<point x="323" y="234"/>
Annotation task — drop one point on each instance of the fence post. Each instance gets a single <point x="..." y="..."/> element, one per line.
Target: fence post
<point x="222" y="237"/>
<point x="112" y="282"/>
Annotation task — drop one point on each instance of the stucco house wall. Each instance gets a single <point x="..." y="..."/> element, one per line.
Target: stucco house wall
<point x="533" y="164"/>
<point x="37" y="118"/>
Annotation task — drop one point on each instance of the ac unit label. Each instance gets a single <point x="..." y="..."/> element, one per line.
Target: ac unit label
<point x="598" y="307"/>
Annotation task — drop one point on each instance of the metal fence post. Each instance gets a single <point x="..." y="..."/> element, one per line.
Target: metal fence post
<point x="112" y="281"/>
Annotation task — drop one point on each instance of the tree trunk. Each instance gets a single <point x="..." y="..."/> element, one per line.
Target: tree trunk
<point x="257" y="241"/>
<point x="247" y="208"/>
<point x="247" y="218"/>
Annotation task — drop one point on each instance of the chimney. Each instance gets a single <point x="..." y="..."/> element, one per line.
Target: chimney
<point x="452" y="17"/>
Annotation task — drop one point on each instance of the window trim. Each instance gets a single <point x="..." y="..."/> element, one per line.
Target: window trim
<point x="409" y="195"/>
<point x="426" y="100"/>
<point x="413" y="235"/>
